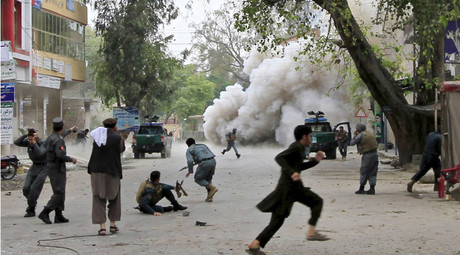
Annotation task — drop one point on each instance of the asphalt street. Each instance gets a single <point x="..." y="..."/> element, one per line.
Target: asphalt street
<point x="391" y="222"/>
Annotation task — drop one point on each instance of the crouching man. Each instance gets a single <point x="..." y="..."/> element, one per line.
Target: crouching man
<point x="151" y="191"/>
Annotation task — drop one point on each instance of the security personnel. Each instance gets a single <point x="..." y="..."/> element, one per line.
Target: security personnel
<point x="56" y="157"/>
<point x="37" y="173"/>
<point x="200" y="154"/>
<point x="367" y="146"/>
<point x="231" y="137"/>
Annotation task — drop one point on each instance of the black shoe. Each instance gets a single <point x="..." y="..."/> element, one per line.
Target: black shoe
<point x="371" y="191"/>
<point x="360" y="191"/>
<point x="179" y="207"/>
<point x="45" y="216"/>
<point x="59" y="218"/>
<point x="168" y="209"/>
<point x="223" y="152"/>
<point x="30" y="214"/>
<point x="238" y="155"/>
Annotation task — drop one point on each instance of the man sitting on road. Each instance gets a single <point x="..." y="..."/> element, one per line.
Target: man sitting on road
<point x="151" y="191"/>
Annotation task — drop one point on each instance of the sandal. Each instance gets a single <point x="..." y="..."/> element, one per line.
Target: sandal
<point x="255" y="251"/>
<point x="102" y="232"/>
<point x="114" y="229"/>
<point x="317" y="237"/>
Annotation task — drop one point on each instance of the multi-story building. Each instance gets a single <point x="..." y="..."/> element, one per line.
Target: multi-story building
<point x="47" y="40"/>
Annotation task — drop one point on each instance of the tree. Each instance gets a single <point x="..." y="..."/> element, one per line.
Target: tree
<point x="409" y="124"/>
<point x="221" y="47"/>
<point x="194" y="97"/>
<point x="134" y="68"/>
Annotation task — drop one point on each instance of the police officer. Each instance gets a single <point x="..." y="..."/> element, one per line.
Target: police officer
<point x="37" y="173"/>
<point x="56" y="157"/>
<point x="367" y="146"/>
<point x="200" y="154"/>
<point x="231" y="137"/>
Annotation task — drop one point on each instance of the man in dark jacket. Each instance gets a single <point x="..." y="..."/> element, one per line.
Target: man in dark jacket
<point x="430" y="159"/>
<point x="105" y="169"/>
<point x="37" y="173"/>
<point x="290" y="189"/>
<point x="56" y="157"/>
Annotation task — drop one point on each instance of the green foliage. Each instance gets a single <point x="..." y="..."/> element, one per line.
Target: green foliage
<point x="134" y="67"/>
<point x="193" y="98"/>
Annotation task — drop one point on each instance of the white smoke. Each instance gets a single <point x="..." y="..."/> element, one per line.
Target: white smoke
<point x="277" y="99"/>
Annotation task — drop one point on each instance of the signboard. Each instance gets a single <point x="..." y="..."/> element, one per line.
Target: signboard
<point x="47" y="63"/>
<point x="37" y="4"/>
<point x="38" y="60"/>
<point x="128" y="118"/>
<point x="7" y="123"/>
<point x="8" y="70"/>
<point x="70" y="5"/>
<point x="361" y="113"/>
<point x="48" y="81"/>
<point x="452" y="43"/>
<point x="5" y="51"/>
<point x="7" y="90"/>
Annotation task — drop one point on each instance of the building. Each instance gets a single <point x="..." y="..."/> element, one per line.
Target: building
<point x="47" y="42"/>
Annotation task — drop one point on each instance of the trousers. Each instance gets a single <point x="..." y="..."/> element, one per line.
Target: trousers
<point x="308" y="198"/>
<point x="33" y="184"/>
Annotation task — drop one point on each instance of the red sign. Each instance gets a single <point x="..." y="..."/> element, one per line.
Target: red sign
<point x="361" y="113"/>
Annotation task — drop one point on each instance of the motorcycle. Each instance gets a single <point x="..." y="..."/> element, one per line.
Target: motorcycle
<point x="9" y="166"/>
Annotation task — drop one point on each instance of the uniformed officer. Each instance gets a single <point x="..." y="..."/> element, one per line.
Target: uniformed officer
<point x="231" y="137"/>
<point x="200" y="154"/>
<point x="367" y="146"/>
<point x="56" y="157"/>
<point x="37" y="173"/>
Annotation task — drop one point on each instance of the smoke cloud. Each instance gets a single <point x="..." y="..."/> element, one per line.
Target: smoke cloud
<point x="277" y="99"/>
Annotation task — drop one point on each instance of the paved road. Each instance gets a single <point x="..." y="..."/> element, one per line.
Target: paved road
<point x="391" y="222"/>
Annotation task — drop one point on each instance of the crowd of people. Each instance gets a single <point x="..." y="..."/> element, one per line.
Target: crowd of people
<point x="49" y="159"/>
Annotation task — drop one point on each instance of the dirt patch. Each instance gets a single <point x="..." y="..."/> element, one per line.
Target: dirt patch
<point x="14" y="184"/>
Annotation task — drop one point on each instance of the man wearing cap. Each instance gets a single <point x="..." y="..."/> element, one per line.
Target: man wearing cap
<point x="56" y="157"/>
<point x="37" y="173"/>
<point x="367" y="146"/>
<point x="104" y="166"/>
<point x="231" y="137"/>
<point x="201" y="155"/>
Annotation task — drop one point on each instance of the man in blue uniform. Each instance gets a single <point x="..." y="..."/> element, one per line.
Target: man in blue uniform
<point x="231" y="137"/>
<point x="201" y="155"/>
<point x="37" y="173"/>
<point x="56" y="157"/>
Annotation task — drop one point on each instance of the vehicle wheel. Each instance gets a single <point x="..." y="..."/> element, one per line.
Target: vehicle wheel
<point x="142" y="154"/>
<point x="136" y="154"/>
<point x="9" y="172"/>
<point x="332" y="154"/>
<point x="163" y="153"/>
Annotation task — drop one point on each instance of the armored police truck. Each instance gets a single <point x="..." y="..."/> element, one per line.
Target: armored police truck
<point x="325" y="137"/>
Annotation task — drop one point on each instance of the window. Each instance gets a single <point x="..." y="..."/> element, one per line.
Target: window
<point x="58" y="35"/>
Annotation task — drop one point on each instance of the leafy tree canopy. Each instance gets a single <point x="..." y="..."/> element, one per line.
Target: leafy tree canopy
<point x="134" y="68"/>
